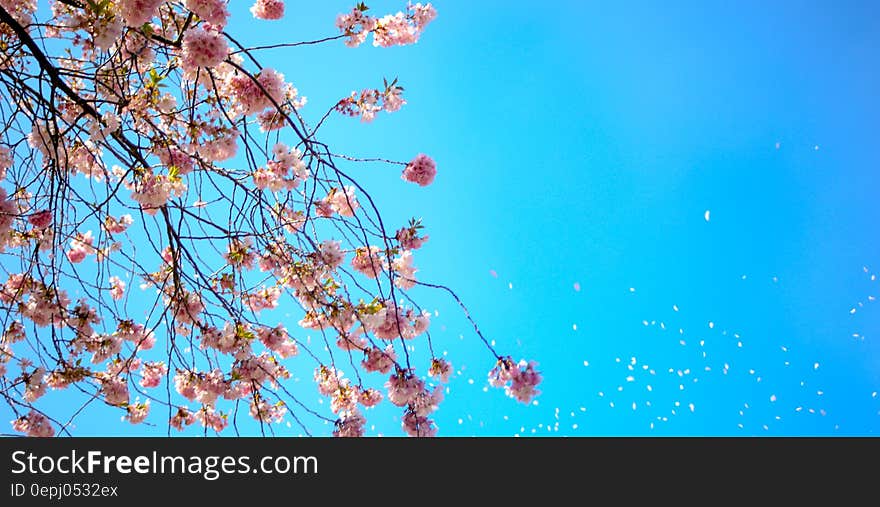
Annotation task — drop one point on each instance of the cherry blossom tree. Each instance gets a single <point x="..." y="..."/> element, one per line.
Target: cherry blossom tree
<point x="160" y="189"/>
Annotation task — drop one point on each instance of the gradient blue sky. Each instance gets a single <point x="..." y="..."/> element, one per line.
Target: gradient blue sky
<point x="582" y="143"/>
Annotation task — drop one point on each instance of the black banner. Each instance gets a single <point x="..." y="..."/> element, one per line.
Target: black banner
<point x="90" y="471"/>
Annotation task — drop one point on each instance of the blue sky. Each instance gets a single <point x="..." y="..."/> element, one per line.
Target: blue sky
<point x="584" y="143"/>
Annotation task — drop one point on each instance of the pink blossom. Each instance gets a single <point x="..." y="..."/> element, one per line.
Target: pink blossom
<point x="393" y="99"/>
<point x="388" y="323"/>
<point x="171" y="156"/>
<point x="441" y="369"/>
<point x="152" y="191"/>
<point x="356" y="25"/>
<point x="185" y="382"/>
<point x="233" y="339"/>
<point x="524" y="381"/>
<point x="80" y="246"/>
<point x="331" y="254"/>
<point x="322" y="209"/>
<point x="106" y="33"/>
<point x="114" y="389"/>
<point x="265" y="298"/>
<point x="343" y="201"/>
<point x="409" y="238"/>
<point x="260" y="369"/>
<point x="367" y="261"/>
<point x="518" y="379"/>
<point x="41" y="219"/>
<point x="350" y="424"/>
<point x="137" y="412"/>
<point x="35" y="385"/>
<point x="34" y="424"/>
<point x="370" y="101"/>
<point x="59" y="379"/>
<point x="117" y="288"/>
<point x="369" y="397"/>
<point x="421" y="170"/>
<point x="203" y="47"/>
<point x="137" y="12"/>
<point x="134" y="45"/>
<point x="351" y="341"/>
<point x="14" y="333"/>
<point x="277" y="340"/>
<point x="426" y="402"/>
<point x="501" y="373"/>
<point x="117" y="225"/>
<point x="46" y="306"/>
<point x="262" y="411"/>
<point x="403" y="387"/>
<point x="5" y="357"/>
<point x="210" y="386"/>
<point x="313" y="320"/>
<point x="276" y="175"/>
<point x="406" y="272"/>
<point x="402" y="29"/>
<point x="41" y="138"/>
<point x="81" y="318"/>
<point x="270" y="120"/>
<point x="222" y="147"/>
<point x="108" y="124"/>
<point x="152" y="373"/>
<point x="101" y="346"/>
<point x="120" y="366"/>
<point x="420" y="323"/>
<point x="183" y="417"/>
<point x="135" y="333"/>
<point x="217" y="421"/>
<point x="212" y="11"/>
<point x="16" y="287"/>
<point x="240" y="253"/>
<point x="418" y="426"/>
<point x="273" y="258"/>
<point x="5" y="161"/>
<point x="344" y="398"/>
<point x="328" y="380"/>
<point x="268" y="9"/>
<point x="379" y="360"/>
<point x="8" y="212"/>
<point x="253" y="94"/>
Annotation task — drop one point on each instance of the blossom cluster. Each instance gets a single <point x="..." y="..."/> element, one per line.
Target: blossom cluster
<point x="370" y="101"/>
<point x="519" y="380"/>
<point x="391" y="30"/>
